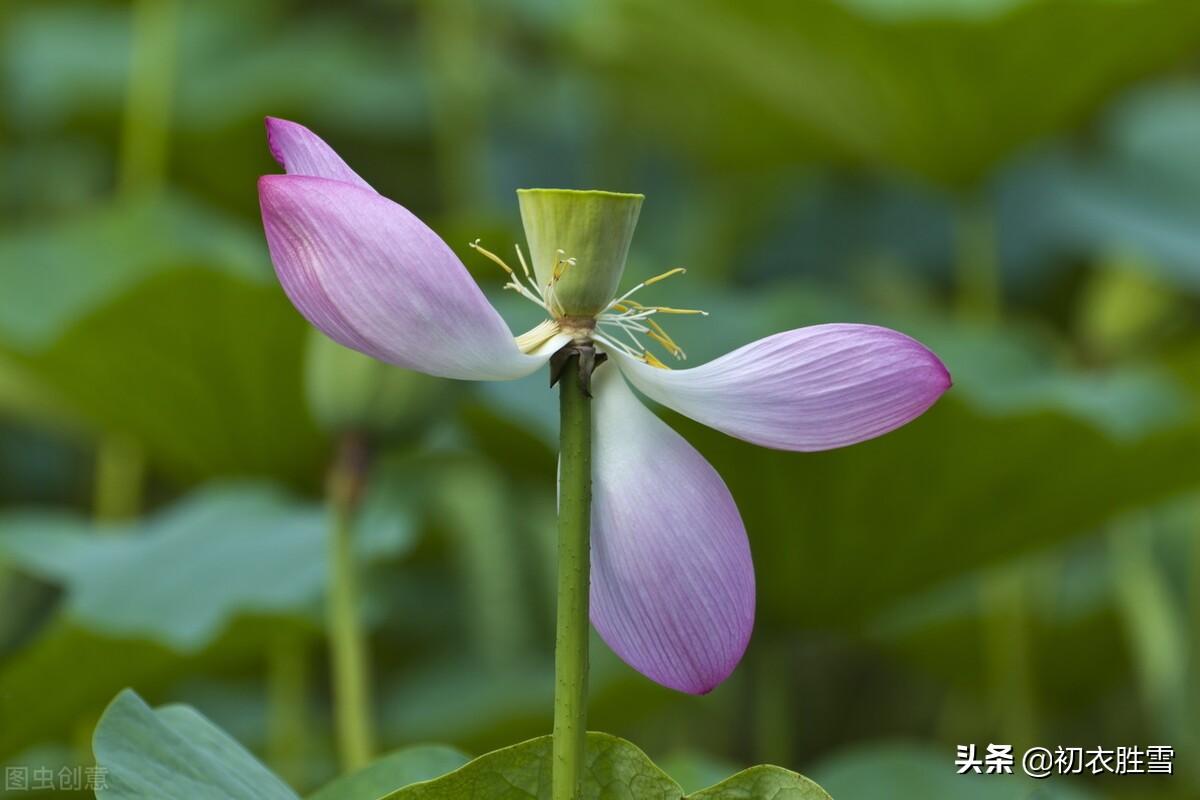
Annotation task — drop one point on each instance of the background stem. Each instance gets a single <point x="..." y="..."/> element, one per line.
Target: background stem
<point x="287" y="706"/>
<point x="347" y="642"/>
<point x="571" y="641"/>
<point x="1008" y="660"/>
<point x="453" y="37"/>
<point x="143" y="161"/>
<point x="119" y="478"/>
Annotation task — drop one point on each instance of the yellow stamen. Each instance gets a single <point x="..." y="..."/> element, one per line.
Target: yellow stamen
<point x="669" y="310"/>
<point x="560" y="266"/>
<point x="490" y="255"/>
<point x="524" y="266"/>
<point x="658" y="309"/>
<point x="666" y="342"/>
<point x="649" y="358"/>
<point x="664" y="337"/>
<point x="664" y="276"/>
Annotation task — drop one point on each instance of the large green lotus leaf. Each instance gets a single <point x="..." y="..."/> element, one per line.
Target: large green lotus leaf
<point x="201" y="369"/>
<point x="400" y="768"/>
<point x="764" y="783"/>
<point x="922" y="87"/>
<point x="183" y="575"/>
<point x="148" y="598"/>
<point x="55" y="273"/>
<point x="174" y="753"/>
<point x="695" y="769"/>
<point x="161" y="321"/>
<point x="900" y="771"/>
<point x="616" y="770"/>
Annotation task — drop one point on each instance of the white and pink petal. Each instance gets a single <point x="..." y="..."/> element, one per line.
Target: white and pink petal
<point x="812" y="388"/>
<point x="375" y="278"/>
<point x="672" y="589"/>
<point x="301" y="152"/>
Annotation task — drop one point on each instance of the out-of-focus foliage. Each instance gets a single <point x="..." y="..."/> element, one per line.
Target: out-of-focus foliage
<point x="1014" y="182"/>
<point x="943" y="90"/>
<point x="184" y="344"/>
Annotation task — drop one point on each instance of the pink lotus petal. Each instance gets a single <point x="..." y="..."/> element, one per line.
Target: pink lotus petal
<point x="301" y="152"/>
<point x="672" y="581"/>
<point x="813" y="388"/>
<point x="375" y="278"/>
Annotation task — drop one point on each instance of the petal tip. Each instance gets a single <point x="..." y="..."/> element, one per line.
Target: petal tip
<point x="941" y="380"/>
<point x="947" y="380"/>
<point x="273" y="126"/>
<point x="712" y="682"/>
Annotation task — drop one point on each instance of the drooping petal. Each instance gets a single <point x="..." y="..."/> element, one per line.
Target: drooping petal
<point x="672" y="581"/>
<point x="301" y="152"/>
<point x="812" y="388"/>
<point x="375" y="278"/>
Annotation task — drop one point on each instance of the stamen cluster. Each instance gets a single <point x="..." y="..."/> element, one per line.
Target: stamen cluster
<point x="622" y="317"/>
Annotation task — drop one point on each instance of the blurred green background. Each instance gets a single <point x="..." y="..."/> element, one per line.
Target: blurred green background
<point x="1015" y="183"/>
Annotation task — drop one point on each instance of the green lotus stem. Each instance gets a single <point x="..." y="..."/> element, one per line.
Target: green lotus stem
<point x="1154" y="624"/>
<point x="118" y="479"/>
<point x="571" y="640"/>
<point x="148" y="103"/>
<point x="287" y="705"/>
<point x="1009" y="664"/>
<point x="451" y="32"/>
<point x="1194" y="586"/>
<point x="347" y="640"/>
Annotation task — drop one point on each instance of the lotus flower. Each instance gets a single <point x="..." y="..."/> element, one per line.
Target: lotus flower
<point x="672" y="589"/>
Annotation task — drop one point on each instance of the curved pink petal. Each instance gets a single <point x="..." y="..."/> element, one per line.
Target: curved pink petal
<point x="374" y="278"/>
<point x="301" y="152"/>
<point x="672" y="581"/>
<point x="811" y="388"/>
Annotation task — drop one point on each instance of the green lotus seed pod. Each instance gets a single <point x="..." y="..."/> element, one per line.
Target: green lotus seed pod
<point x="349" y="391"/>
<point x="578" y="242"/>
